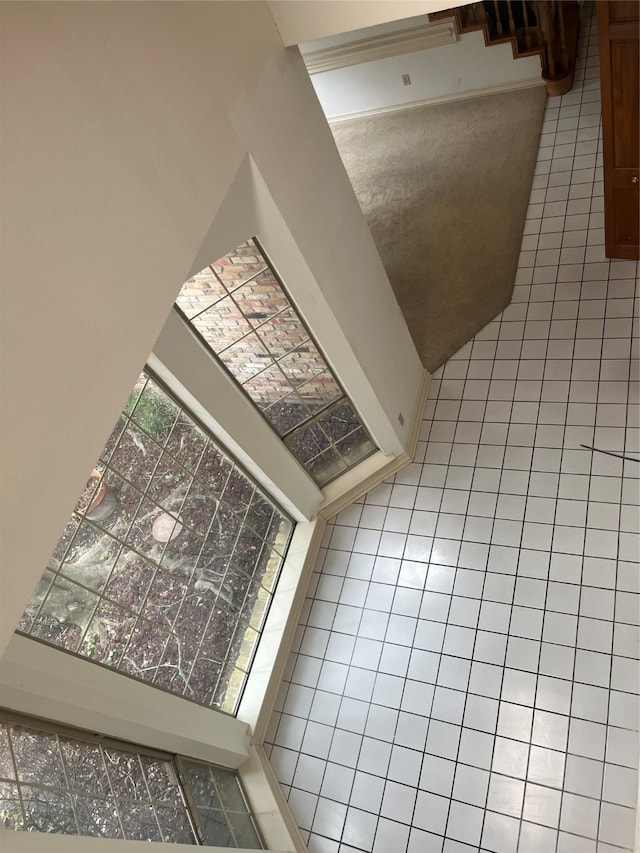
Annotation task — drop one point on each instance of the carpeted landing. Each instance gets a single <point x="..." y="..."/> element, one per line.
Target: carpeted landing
<point x="445" y="189"/>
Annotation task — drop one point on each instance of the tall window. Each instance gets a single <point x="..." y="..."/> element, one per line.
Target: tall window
<point x="240" y="309"/>
<point x="61" y="781"/>
<point x="167" y="566"/>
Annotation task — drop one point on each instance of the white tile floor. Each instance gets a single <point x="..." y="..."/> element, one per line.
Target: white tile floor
<point x="465" y="676"/>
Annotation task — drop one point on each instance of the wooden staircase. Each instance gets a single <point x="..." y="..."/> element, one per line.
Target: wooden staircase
<point x="548" y="28"/>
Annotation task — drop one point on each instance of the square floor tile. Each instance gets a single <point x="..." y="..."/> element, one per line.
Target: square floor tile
<point x="535" y="838"/>
<point x="431" y="812"/>
<point x="584" y="776"/>
<point x="550" y="730"/>
<point x="542" y="805"/>
<point x="506" y="795"/>
<point x="579" y="815"/>
<point x="398" y="802"/>
<point x="437" y="775"/>
<point x="500" y="833"/>
<point x="546" y="767"/>
<point x="443" y="739"/>
<point x="486" y="679"/>
<point x="359" y="828"/>
<point x="367" y="792"/>
<point x="470" y="785"/>
<point x="411" y="731"/>
<point x="481" y="713"/>
<point x="465" y="823"/>
<point x="620" y="785"/>
<point x="476" y="748"/>
<point x="390" y="834"/>
<point x="510" y="758"/>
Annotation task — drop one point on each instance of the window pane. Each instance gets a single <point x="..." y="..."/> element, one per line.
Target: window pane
<point x="48" y="811"/>
<point x="221" y="806"/>
<point x="333" y="442"/>
<point x="243" y="314"/>
<point x="169" y="561"/>
<point x="80" y="787"/>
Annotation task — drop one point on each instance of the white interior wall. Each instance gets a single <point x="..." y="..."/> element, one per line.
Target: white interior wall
<point x="440" y="73"/>
<point x="123" y="128"/>
<point x="299" y="22"/>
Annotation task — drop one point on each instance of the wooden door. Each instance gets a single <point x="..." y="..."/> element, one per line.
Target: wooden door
<point x="618" y="30"/>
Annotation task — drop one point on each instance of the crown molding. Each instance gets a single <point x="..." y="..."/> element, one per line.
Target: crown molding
<point x="396" y="43"/>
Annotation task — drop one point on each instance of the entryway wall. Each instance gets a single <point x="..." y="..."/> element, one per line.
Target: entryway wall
<point x="462" y="69"/>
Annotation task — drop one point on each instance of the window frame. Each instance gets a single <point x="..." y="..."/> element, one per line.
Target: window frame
<point x="271" y="593"/>
<point x="287" y="436"/>
<point x="176" y="760"/>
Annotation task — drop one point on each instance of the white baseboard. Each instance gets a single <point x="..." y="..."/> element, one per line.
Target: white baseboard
<point x="269" y="805"/>
<point x="441" y="99"/>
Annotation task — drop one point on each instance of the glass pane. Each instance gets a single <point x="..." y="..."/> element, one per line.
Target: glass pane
<point x="76" y="786"/>
<point x="139" y="821"/>
<point x="174" y="825"/>
<point x="222" y="324"/>
<point x="229" y="791"/>
<point x="327" y="466"/>
<point x="307" y="442"/>
<point x="97" y="816"/>
<point x="200" y="292"/>
<point x="135" y="455"/>
<point x="66" y="613"/>
<point x="244" y="831"/>
<point x="6" y="762"/>
<point x="85" y="768"/>
<point x="288" y="414"/>
<point x="268" y="387"/>
<point x="243" y="263"/>
<point x="221" y="806"/>
<point x="340" y="422"/>
<point x="320" y="391"/>
<point x="356" y="446"/>
<point x="284" y="333"/>
<point x="141" y="576"/>
<point x="216" y="828"/>
<point x="245" y="358"/>
<point x="261" y="298"/>
<point x="202" y="785"/>
<point x="153" y="411"/>
<point x="48" y="811"/>
<point x="302" y="364"/>
<point x="125" y="774"/>
<point x="11" y="816"/>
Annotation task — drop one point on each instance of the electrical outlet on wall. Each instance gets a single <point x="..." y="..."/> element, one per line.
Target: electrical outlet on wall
<point x="406" y="80"/>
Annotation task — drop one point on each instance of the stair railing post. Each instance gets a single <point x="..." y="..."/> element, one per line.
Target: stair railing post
<point x="512" y="26"/>
<point x="563" y="40"/>
<point x="525" y="18"/>
<point x="537" y="8"/>
<point x="496" y="6"/>
<point x="548" y="39"/>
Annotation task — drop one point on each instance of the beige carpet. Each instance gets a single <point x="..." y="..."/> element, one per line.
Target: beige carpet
<point x="445" y="189"/>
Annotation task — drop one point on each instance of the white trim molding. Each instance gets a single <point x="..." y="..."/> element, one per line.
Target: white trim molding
<point x="382" y="46"/>
<point x="442" y="99"/>
<point x="47" y="842"/>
